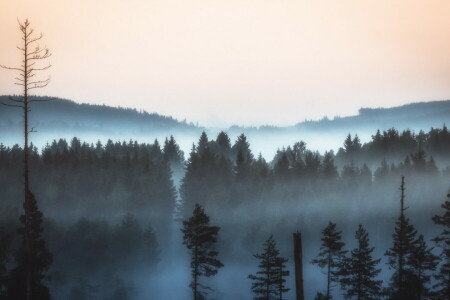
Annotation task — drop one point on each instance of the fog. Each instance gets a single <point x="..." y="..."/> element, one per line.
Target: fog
<point x="99" y="200"/>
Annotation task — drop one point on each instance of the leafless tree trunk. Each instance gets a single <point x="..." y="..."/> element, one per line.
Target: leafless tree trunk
<point x="32" y="53"/>
<point x="298" y="259"/>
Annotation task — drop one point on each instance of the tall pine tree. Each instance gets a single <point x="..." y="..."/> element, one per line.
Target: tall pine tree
<point x="200" y="238"/>
<point x="443" y="241"/>
<point x="331" y="256"/>
<point x="5" y="244"/>
<point x="404" y="238"/>
<point x="422" y="263"/>
<point x="32" y="255"/>
<point x="269" y="282"/>
<point x="360" y="280"/>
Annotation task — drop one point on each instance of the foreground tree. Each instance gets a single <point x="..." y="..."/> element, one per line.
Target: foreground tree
<point x="200" y="238"/>
<point x="443" y="241"/>
<point x="40" y="260"/>
<point x="360" y="280"/>
<point x="422" y="262"/>
<point x="269" y="282"/>
<point x="331" y="256"/>
<point x="404" y="237"/>
<point x="5" y="244"/>
<point x="31" y="54"/>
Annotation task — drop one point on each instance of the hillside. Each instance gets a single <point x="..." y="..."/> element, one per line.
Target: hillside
<point x="64" y="119"/>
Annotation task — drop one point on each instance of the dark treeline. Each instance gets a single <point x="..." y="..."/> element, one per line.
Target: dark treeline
<point x="111" y="208"/>
<point x="396" y="145"/>
<point x="101" y="179"/>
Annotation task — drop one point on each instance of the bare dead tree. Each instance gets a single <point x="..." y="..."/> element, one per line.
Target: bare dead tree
<point x="32" y="54"/>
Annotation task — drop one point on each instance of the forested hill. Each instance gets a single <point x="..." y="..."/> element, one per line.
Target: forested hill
<point x="61" y="114"/>
<point x="65" y="119"/>
<point x="415" y="116"/>
<point x="421" y="114"/>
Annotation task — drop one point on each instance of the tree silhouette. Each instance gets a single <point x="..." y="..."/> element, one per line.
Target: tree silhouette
<point x="5" y="244"/>
<point x="422" y="262"/>
<point x="443" y="241"/>
<point x="269" y="282"/>
<point x="404" y="238"/>
<point x="331" y="255"/>
<point x="31" y="54"/>
<point x="360" y="280"/>
<point x="200" y="238"/>
<point x="40" y="260"/>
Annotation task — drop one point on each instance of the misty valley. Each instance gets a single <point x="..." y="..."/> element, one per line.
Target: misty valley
<point x="225" y="150"/>
<point x="116" y="216"/>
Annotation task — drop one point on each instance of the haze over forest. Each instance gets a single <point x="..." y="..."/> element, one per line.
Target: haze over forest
<point x="119" y="194"/>
<point x="65" y="119"/>
<point x="186" y="149"/>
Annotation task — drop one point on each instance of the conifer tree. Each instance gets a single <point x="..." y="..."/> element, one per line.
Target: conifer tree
<point x="329" y="169"/>
<point x="39" y="262"/>
<point x="202" y="143"/>
<point x="422" y="263"/>
<point x="5" y="244"/>
<point x="360" y="280"/>
<point x="404" y="238"/>
<point x="172" y="153"/>
<point x="244" y="145"/>
<point x="331" y="256"/>
<point x="443" y="241"/>
<point x="200" y="238"/>
<point x="269" y="282"/>
<point x="223" y="143"/>
<point x="32" y="54"/>
<point x="282" y="272"/>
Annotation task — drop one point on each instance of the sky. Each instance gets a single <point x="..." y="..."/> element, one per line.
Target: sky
<point x="245" y="62"/>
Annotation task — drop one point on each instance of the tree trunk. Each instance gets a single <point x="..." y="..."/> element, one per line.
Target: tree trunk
<point x="298" y="259"/>
<point x="25" y="170"/>
<point x="329" y="276"/>
<point x="195" y="274"/>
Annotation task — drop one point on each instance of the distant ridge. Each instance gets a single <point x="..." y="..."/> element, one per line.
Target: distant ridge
<point x="66" y="114"/>
<point x="413" y="116"/>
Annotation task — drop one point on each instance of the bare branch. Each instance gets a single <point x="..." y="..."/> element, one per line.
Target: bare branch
<point x="40" y="81"/>
<point x="30" y="33"/>
<point x="37" y="57"/>
<point x="11" y="68"/>
<point x="14" y="100"/>
<point x="21" y="49"/>
<point x="39" y="86"/>
<point x="41" y="69"/>
<point x="11" y="105"/>
<point x="35" y="39"/>
<point x="17" y="83"/>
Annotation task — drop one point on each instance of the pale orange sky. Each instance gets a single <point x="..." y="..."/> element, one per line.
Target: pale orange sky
<point x="247" y="62"/>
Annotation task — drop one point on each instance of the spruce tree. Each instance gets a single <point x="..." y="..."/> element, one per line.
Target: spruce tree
<point x="331" y="256"/>
<point x="200" y="238"/>
<point x="360" y="280"/>
<point x="422" y="262"/>
<point x="404" y="238"/>
<point x="269" y="282"/>
<point x="172" y="153"/>
<point x="32" y="256"/>
<point x="202" y="143"/>
<point x="5" y="244"/>
<point x="443" y="241"/>
<point x="282" y="272"/>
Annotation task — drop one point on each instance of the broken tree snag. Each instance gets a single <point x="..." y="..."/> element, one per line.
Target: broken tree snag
<point x="298" y="257"/>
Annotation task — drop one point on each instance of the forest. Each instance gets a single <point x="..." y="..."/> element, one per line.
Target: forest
<point x="132" y="219"/>
<point x="123" y="215"/>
